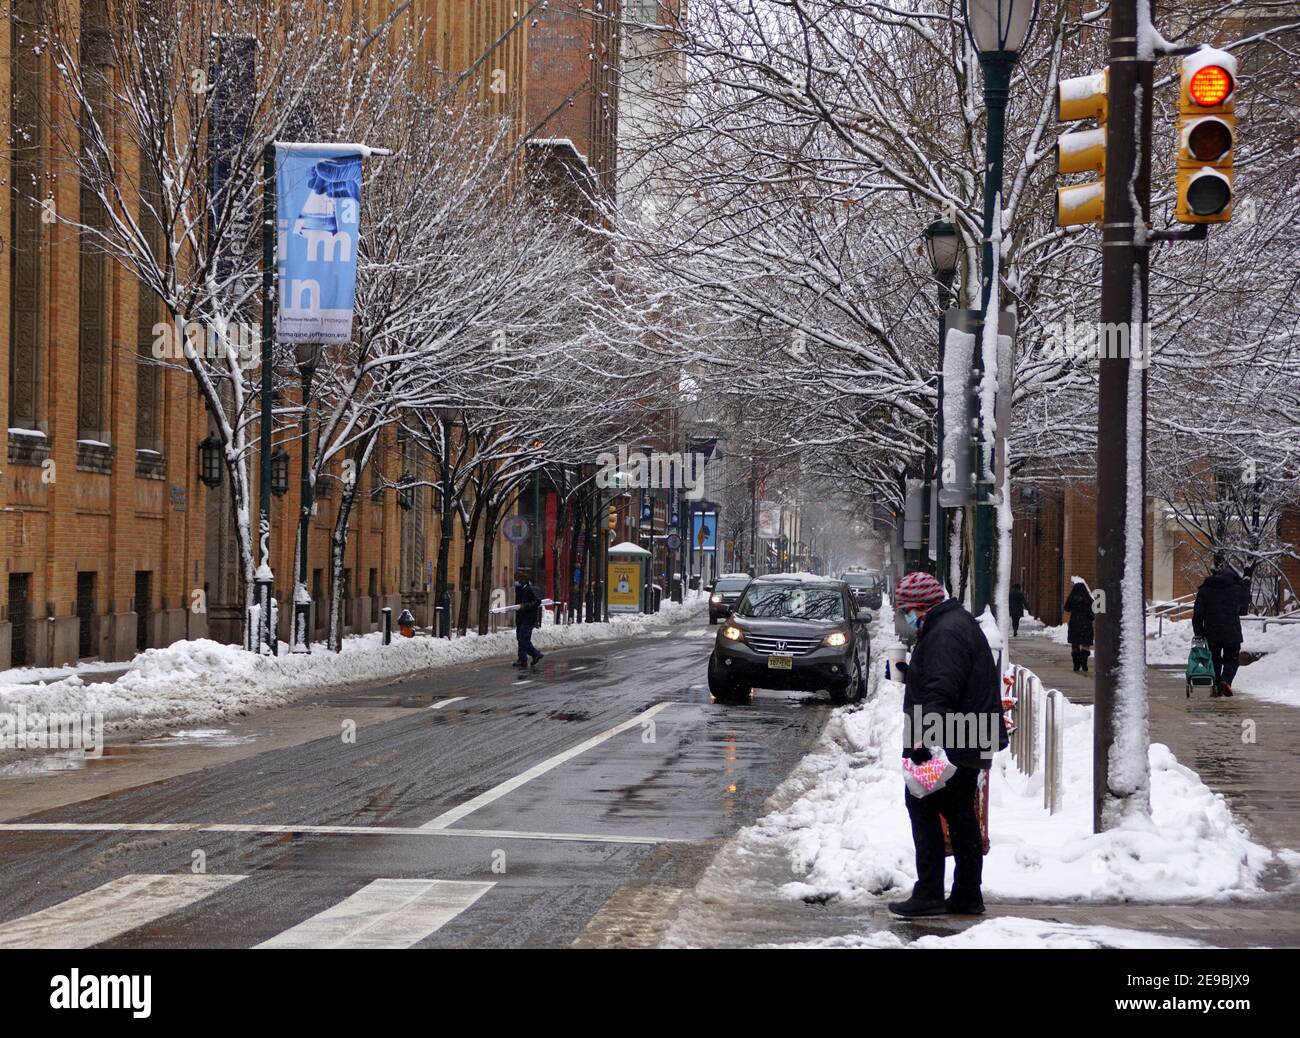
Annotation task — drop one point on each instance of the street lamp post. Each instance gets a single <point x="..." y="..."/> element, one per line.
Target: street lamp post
<point x="261" y="637"/>
<point x="307" y="355"/>
<point x="447" y="417"/>
<point x="998" y="29"/>
<point x="941" y="246"/>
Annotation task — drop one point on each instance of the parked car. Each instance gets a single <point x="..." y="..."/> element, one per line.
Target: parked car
<point x="725" y="593"/>
<point x="866" y="586"/>
<point x="793" y="632"/>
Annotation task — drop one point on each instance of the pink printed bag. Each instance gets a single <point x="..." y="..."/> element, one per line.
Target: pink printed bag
<point x="923" y="779"/>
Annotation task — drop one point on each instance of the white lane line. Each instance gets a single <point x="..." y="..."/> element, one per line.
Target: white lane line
<point x="445" y="702"/>
<point x="524" y="681"/>
<point x="387" y="913"/>
<point x="574" y="670"/>
<point x="323" y="830"/>
<point x="114" y="908"/>
<point x="497" y="792"/>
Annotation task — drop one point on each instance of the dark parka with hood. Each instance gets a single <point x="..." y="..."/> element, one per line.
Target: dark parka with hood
<point x="952" y="673"/>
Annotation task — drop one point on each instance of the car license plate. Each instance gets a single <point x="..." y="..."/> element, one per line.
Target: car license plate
<point x="780" y="662"/>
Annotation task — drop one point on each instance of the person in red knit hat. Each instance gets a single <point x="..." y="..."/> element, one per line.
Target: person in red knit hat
<point x="951" y="686"/>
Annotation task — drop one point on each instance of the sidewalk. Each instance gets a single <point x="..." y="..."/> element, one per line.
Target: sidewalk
<point x="1260" y="779"/>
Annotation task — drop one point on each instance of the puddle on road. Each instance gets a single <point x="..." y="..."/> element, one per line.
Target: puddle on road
<point x="46" y="764"/>
<point x="196" y="737"/>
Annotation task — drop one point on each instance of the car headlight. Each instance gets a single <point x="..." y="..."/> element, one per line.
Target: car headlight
<point x="732" y="634"/>
<point x="835" y="639"/>
<point x="715" y="599"/>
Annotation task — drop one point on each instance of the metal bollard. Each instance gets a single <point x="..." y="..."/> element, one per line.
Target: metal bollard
<point x="1052" y="737"/>
<point x="387" y="625"/>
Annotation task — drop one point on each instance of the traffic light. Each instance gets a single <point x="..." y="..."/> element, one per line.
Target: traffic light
<point x="613" y="516"/>
<point x="1207" y="136"/>
<point x="1081" y="151"/>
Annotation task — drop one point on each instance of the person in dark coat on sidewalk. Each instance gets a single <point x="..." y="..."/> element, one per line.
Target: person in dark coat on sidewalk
<point x="1017" y="606"/>
<point x="951" y="680"/>
<point x="1221" y="602"/>
<point x="1079" y="606"/>
<point x="527" y="618"/>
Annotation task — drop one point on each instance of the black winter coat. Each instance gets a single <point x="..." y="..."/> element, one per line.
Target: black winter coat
<point x="1221" y="602"/>
<point x="1017" y="603"/>
<point x="1079" y="606"/>
<point x="530" y="607"/>
<point x="952" y="674"/>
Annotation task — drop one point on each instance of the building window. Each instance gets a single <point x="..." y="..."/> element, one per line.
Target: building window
<point x="93" y="310"/>
<point x="26" y="190"/>
<point x="86" y="615"/>
<point x="148" y="370"/>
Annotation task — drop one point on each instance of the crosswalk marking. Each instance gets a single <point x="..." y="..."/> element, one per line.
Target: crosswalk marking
<point x="387" y="913"/>
<point x="114" y="908"/>
<point x="497" y="792"/>
<point x="445" y="702"/>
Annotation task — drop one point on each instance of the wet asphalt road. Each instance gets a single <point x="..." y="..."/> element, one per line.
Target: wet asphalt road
<point x="544" y="798"/>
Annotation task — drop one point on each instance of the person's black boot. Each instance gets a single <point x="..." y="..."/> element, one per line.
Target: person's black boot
<point x="538" y="658"/>
<point x="915" y="907"/>
<point x="519" y="663"/>
<point x="965" y="905"/>
<point x="1084" y="663"/>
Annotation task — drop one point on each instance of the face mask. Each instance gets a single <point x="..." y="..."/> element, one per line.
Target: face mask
<point x="912" y="619"/>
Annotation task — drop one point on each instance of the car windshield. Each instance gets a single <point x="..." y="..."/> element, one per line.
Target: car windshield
<point x="793" y="603"/>
<point x="731" y="583"/>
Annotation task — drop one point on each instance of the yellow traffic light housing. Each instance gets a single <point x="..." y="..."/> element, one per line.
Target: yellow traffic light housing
<point x="613" y="516"/>
<point x="1207" y="137"/>
<point x="1081" y="151"/>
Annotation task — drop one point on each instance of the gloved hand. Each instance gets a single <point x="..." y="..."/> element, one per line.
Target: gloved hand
<point x="901" y="666"/>
<point x="917" y="755"/>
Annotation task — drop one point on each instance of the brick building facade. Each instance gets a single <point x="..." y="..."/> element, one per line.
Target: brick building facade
<point x="113" y="543"/>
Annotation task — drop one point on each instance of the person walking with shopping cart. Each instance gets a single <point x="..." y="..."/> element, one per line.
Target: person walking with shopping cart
<point x="1221" y="602"/>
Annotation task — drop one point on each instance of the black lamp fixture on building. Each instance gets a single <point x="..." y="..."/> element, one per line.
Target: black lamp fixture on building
<point x="279" y="473"/>
<point x="406" y="492"/>
<point x="210" y="463"/>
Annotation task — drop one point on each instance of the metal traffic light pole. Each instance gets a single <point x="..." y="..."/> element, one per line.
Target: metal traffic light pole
<point x="1121" y="424"/>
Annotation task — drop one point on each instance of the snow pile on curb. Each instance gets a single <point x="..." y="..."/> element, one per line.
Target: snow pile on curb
<point x="1010" y="932"/>
<point x="192" y="682"/>
<point x="848" y="834"/>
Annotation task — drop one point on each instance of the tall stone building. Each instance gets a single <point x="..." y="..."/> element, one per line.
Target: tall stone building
<point x="113" y="541"/>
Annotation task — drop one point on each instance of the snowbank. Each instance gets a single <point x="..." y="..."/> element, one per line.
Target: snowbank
<point x="848" y="833"/>
<point x="192" y="682"/>
<point x="1011" y="932"/>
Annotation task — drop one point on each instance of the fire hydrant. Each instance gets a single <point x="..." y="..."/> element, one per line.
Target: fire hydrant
<point x="406" y="624"/>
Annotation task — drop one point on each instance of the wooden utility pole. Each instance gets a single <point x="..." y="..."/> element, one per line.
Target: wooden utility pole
<point x="1120" y="712"/>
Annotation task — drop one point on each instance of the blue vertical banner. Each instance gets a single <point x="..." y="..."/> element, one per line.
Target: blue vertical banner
<point x="646" y="513"/>
<point x="704" y="531"/>
<point x="318" y="209"/>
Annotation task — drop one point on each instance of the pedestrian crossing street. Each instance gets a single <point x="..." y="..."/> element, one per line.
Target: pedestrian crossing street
<point x="385" y="913"/>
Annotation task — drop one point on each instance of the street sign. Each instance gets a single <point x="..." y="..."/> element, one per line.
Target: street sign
<point x="674" y="541"/>
<point x="515" y="529"/>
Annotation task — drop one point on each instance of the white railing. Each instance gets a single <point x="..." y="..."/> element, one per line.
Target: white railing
<point x="1025" y="739"/>
<point x="1171" y="608"/>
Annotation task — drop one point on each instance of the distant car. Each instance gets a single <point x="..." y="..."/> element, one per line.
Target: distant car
<point x="867" y="587"/>
<point x="801" y="633"/>
<point x="725" y="594"/>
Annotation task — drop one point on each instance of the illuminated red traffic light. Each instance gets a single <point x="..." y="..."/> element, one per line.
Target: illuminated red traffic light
<point x="1210" y="86"/>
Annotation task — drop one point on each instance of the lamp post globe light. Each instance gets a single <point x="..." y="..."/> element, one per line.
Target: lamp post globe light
<point x="998" y="30"/>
